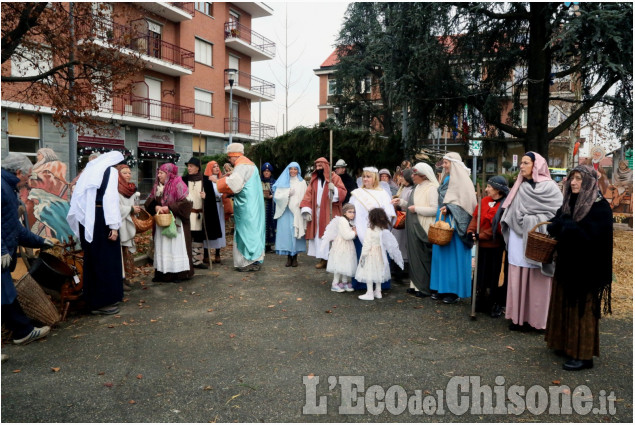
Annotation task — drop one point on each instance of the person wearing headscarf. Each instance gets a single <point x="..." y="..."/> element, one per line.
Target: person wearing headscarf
<point x="214" y="212"/>
<point x="128" y="200"/>
<point x="200" y="209"/>
<point x="288" y="191"/>
<point x="421" y="208"/>
<point x="172" y="256"/>
<point x="249" y="209"/>
<point x="364" y="199"/>
<point x="268" y="181"/>
<point x="400" y="202"/>
<point x="583" y="227"/>
<point x="451" y="275"/>
<point x="16" y="168"/>
<point x="95" y="217"/>
<point x="490" y="298"/>
<point x="533" y="199"/>
<point x="324" y="188"/>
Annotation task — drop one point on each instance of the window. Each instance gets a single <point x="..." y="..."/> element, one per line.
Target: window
<point x="202" y="102"/>
<point x="365" y="85"/>
<point x="332" y="86"/>
<point x="556" y="116"/>
<point x="198" y="144"/>
<point x="205" y="7"/>
<point x="26" y="145"/>
<point x="27" y="63"/>
<point x="154" y="34"/>
<point x="523" y="117"/>
<point x="203" y="52"/>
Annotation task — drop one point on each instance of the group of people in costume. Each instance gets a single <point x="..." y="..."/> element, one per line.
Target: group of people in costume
<point x="363" y="232"/>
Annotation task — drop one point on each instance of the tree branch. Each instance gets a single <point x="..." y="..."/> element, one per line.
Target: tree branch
<point x="35" y="78"/>
<point x="28" y="19"/>
<point x="493" y="15"/>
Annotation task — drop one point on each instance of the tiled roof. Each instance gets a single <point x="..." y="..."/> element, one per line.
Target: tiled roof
<point x="331" y="60"/>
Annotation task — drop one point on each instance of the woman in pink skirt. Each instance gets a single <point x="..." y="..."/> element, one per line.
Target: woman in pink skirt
<point x="534" y="198"/>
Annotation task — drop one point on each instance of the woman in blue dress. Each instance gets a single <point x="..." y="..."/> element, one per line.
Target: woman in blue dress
<point x="288" y="192"/>
<point x="451" y="273"/>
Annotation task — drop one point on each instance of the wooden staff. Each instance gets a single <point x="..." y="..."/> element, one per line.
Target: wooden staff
<point x="330" y="174"/>
<point x="475" y="273"/>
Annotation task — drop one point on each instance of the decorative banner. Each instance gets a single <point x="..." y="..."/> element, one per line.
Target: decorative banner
<point x="115" y="136"/>
<point x="155" y="139"/>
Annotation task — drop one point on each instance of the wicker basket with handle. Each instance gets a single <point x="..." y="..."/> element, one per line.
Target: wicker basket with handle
<point x="439" y="235"/>
<point x="143" y="221"/>
<point x="540" y="247"/>
<point x="163" y="219"/>
<point x="34" y="301"/>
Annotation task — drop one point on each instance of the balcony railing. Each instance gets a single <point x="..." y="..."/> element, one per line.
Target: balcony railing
<point x="254" y="84"/>
<point x="143" y="107"/>
<point x="126" y="36"/>
<point x="255" y="40"/>
<point x="249" y="128"/>
<point x="187" y="6"/>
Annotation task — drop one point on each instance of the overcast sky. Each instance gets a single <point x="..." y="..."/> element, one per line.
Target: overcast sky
<point x="312" y="28"/>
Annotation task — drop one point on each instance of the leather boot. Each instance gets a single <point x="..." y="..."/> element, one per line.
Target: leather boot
<point x="217" y="257"/>
<point x="294" y="261"/>
<point x="288" y="261"/>
<point x="321" y="264"/>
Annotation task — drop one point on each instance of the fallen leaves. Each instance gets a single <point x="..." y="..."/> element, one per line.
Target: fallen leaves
<point x="139" y="376"/>
<point x="509" y="347"/>
<point x="55" y="369"/>
<point x="328" y="311"/>
<point x="219" y="323"/>
<point x="17" y="371"/>
<point x="108" y="384"/>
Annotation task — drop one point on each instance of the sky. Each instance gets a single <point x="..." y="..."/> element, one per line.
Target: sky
<point x="312" y="28"/>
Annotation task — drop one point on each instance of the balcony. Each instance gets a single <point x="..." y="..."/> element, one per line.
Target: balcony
<point x="244" y="40"/>
<point x="250" y="87"/>
<point x="173" y="11"/>
<point x="249" y="129"/>
<point x="157" y="54"/>
<point x="149" y="109"/>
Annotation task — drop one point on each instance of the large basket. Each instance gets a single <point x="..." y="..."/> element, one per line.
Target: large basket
<point x="34" y="301"/>
<point x="163" y="219"/>
<point x="540" y="247"/>
<point x="439" y="236"/>
<point x="143" y="221"/>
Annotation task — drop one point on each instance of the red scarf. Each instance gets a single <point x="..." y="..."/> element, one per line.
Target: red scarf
<point x="125" y="188"/>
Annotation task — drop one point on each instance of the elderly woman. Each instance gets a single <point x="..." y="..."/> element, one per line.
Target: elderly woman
<point x="367" y="197"/>
<point x="583" y="227"/>
<point x="534" y="198"/>
<point x="270" y="224"/>
<point x="172" y="261"/>
<point x="421" y="209"/>
<point x="451" y="276"/>
<point x="288" y="192"/>
<point x="128" y="198"/>
<point x="94" y="215"/>
<point x="401" y="203"/>
<point x="214" y="222"/>
<point x="490" y="298"/>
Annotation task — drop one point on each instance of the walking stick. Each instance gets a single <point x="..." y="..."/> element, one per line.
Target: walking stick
<point x="475" y="272"/>
<point x="330" y="174"/>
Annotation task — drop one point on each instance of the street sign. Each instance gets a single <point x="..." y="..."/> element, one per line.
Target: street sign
<point x="514" y="160"/>
<point x="476" y="148"/>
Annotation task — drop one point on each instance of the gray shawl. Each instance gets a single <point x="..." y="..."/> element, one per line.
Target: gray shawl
<point x="530" y="206"/>
<point x="460" y="219"/>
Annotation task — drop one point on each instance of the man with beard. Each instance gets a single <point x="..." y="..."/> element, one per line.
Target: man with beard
<point x="324" y="187"/>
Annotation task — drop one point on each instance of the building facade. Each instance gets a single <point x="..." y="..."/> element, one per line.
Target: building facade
<point x="179" y="104"/>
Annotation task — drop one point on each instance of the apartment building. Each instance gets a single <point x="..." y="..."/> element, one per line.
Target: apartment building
<point x="445" y="139"/>
<point x="179" y="104"/>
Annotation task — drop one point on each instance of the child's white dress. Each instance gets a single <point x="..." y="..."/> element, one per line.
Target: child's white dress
<point x="373" y="264"/>
<point x="342" y="256"/>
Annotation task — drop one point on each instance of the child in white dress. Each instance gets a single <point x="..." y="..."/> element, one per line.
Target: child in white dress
<point x="342" y="260"/>
<point x="373" y="267"/>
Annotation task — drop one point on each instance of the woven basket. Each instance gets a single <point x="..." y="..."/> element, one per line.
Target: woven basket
<point x="143" y="221"/>
<point x="439" y="236"/>
<point x="163" y="219"/>
<point x="34" y="301"/>
<point x="540" y="247"/>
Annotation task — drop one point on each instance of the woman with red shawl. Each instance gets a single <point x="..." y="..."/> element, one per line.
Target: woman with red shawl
<point x="172" y="256"/>
<point x="128" y="198"/>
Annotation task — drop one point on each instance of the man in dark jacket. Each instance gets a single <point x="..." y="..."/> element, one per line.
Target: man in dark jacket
<point x="349" y="182"/>
<point x="16" y="168"/>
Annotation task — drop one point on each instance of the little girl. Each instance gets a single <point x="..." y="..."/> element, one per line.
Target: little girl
<point x="373" y="267"/>
<point x="342" y="260"/>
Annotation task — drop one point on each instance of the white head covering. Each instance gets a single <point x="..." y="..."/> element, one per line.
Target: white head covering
<point x="460" y="190"/>
<point x="340" y="163"/>
<point x="236" y="148"/>
<point x="82" y="209"/>
<point x="423" y="169"/>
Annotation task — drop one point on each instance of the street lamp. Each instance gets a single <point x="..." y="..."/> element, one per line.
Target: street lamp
<point x="231" y="77"/>
<point x="336" y="111"/>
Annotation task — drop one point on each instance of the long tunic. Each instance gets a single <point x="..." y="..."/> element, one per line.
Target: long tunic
<point x="289" y="225"/>
<point x="317" y="247"/>
<point x="215" y="225"/>
<point x="102" y="272"/>
<point x="270" y="222"/>
<point x="452" y="263"/>
<point x="249" y="212"/>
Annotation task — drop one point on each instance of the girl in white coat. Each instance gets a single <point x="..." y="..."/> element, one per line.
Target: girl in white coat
<point x="342" y="260"/>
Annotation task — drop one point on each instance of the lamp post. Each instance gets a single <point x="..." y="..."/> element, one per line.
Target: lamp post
<point x="231" y="76"/>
